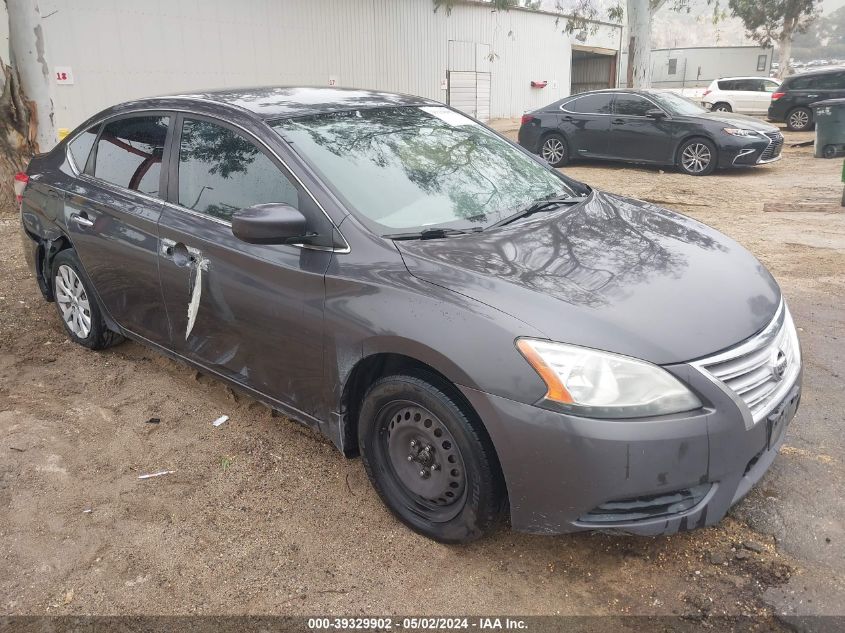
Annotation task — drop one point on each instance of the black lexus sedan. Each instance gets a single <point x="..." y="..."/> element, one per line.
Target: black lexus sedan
<point x="648" y="126"/>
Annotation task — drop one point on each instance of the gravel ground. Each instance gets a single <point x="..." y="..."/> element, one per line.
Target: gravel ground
<point x="262" y="516"/>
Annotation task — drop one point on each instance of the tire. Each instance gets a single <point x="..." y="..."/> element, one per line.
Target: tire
<point x="697" y="157"/>
<point x="555" y="150"/>
<point x="77" y="304"/>
<point x="722" y="107"/>
<point x="430" y="462"/>
<point x="799" y="119"/>
<point x="829" y="151"/>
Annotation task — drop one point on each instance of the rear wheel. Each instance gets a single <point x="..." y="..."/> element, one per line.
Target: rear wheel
<point x="697" y="157"/>
<point x="722" y="107"/>
<point x="799" y="119"/>
<point x="555" y="150"/>
<point x="431" y="464"/>
<point x="77" y="306"/>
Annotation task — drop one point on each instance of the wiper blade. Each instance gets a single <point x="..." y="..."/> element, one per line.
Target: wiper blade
<point x="430" y="234"/>
<point x="537" y="206"/>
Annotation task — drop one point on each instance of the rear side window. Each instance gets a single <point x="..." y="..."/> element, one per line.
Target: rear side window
<point x="802" y="83"/>
<point x="590" y="104"/>
<point x="129" y="153"/>
<point x="727" y="84"/>
<point x="80" y="147"/>
<point x="221" y="172"/>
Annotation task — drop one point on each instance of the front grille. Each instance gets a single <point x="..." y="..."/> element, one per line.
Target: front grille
<point x="761" y="370"/>
<point x="647" y="507"/>
<point x="774" y="148"/>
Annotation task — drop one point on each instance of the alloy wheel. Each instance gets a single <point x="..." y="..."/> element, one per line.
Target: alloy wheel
<point x="722" y="108"/>
<point x="553" y="150"/>
<point x="696" y="157"/>
<point x="73" y="301"/>
<point x="425" y="459"/>
<point x="799" y="119"/>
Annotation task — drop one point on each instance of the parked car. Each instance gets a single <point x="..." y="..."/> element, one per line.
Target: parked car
<point x="791" y="102"/>
<point x="486" y="332"/>
<point x="746" y="95"/>
<point x="648" y="126"/>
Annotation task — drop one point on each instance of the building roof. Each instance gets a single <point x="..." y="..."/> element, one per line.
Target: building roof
<point x="288" y="101"/>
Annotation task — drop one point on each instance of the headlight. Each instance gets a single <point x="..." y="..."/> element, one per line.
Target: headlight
<point x="597" y="384"/>
<point x="733" y="131"/>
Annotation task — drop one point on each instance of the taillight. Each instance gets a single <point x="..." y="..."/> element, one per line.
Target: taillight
<point x="706" y="92"/>
<point x="20" y="184"/>
<point x="526" y="118"/>
<point x="777" y="95"/>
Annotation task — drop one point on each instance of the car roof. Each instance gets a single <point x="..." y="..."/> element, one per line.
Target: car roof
<point x="746" y="77"/>
<point x="820" y="71"/>
<point x="276" y="102"/>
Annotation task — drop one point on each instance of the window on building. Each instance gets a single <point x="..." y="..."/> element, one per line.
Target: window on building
<point x="590" y="104"/>
<point x="673" y="66"/>
<point x="129" y="153"/>
<point x="761" y="62"/>
<point x="221" y="172"/>
<point x="631" y="105"/>
<point x="80" y="147"/>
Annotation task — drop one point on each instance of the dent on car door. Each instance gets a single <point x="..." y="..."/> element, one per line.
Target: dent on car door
<point x="585" y="121"/>
<point x="112" y="212"/>
<point x="252" y="313"/>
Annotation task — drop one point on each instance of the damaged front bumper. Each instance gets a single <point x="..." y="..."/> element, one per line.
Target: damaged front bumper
<point x="646" y="476"/>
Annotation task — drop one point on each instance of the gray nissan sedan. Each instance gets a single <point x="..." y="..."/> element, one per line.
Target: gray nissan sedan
<point x="491" y="336"/>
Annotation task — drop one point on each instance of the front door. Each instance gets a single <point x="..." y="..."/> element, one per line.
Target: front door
<point x="252" y="313"/>
<point x="638" y="137"/>
<point x="112" y="215"/>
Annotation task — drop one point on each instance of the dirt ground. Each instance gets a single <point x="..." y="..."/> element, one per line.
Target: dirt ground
<point x="262" y="516"/>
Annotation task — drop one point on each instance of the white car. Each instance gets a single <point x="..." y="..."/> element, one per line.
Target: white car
<point x="748" y="95"/>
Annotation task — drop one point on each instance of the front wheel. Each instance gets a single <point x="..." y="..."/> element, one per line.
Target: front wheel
<point x="555" y="150"/>
<point x="799" y="120"/>
<point x="430" y="462"/>
<point x="697" y="157"/>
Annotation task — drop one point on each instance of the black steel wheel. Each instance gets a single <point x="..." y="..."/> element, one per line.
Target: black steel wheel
<point x="431" y="463"/>
<point x="555" y="150"/>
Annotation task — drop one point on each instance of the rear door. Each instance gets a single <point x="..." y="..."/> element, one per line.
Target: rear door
<point x="112" y="215"/>
<point x="637" y="137"/>
<point x="745" y="94"/>
<point x="585" y="121"/>
<point x="252" y="313"/>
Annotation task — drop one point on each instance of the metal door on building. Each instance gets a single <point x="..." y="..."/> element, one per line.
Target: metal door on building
<point x="469" y="92"/>
<point x="468" y="78"/>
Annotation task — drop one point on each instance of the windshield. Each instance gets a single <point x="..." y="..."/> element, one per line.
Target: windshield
<point x="412" y="168"/>
<point x="676" y="104"/>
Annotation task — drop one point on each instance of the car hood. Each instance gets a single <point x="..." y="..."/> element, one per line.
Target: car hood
<point x="611" y="273"/>
<point x="733" y="119"/>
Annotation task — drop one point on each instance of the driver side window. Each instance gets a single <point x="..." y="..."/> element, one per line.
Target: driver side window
<point x="221" y="172"/>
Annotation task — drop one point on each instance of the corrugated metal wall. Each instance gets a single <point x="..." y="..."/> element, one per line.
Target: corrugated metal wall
<point x="125" y="49"/>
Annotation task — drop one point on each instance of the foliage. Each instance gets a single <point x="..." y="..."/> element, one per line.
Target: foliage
<point x="767" y="21"/>
<point x="824" y="38"/>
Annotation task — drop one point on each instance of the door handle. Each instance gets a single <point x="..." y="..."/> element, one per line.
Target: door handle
<point x="178" y="252"/>
<point x="82" y="220"/>
<point x="619" y="121"/>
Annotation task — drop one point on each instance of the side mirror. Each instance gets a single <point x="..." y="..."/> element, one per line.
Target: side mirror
<point x="274" y="223"/>
<point x="655" y="113"/>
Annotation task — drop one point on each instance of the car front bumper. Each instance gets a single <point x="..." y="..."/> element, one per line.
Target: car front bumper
<point x="750" y="151"/>
<point x="560" y="468"/>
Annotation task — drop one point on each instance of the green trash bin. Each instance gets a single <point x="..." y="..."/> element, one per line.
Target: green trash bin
<point x="829" y="116"/>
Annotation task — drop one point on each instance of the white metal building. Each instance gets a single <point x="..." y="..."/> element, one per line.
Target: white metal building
<point x="698" y="66"/>
<point x="479" y="60"/>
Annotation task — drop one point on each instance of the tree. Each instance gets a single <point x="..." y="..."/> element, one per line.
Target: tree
<point x="26" y="101"/>
<point x="824" y="38"/>
<point x="776" y="20"/>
